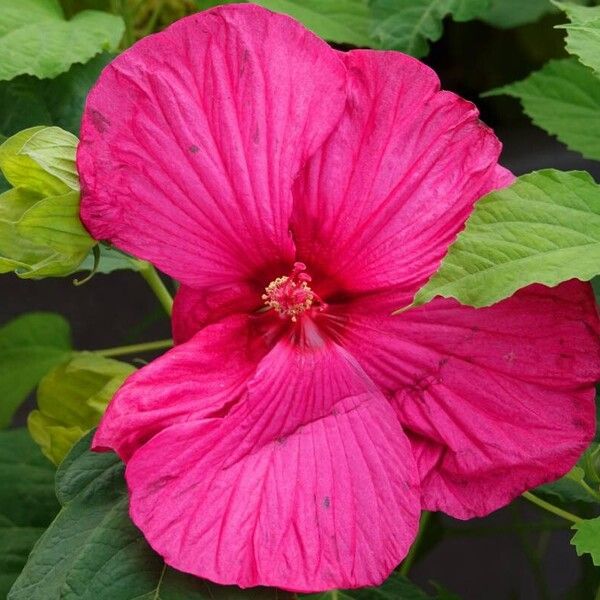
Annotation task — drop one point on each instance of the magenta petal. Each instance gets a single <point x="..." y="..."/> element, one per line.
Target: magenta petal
<point x="194" y="309"/>
<point x="191" y="138"/>
<point x="495" y="400"/>
<point x="201" y="378"/>
<point x="380" y="202"/>
<point x="307" y="484"/>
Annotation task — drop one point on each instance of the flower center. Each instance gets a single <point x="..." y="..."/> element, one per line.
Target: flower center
<point x="291" y="295"/>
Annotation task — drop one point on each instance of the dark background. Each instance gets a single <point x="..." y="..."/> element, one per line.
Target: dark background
<point x="505" y="555"/>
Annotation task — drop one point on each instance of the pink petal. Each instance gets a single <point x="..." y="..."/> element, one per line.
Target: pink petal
<point x="495" y="400"/>
<point x="190" y="141"/>
<point x="199" y="379"/>
<point x="307" y="484"/>
<point x="194" y="309"/>
<point x="380" y="202"/>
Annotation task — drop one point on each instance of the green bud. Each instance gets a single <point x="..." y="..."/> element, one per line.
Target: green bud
<point x="71" y="400"/>
<point x="40" y="231"/>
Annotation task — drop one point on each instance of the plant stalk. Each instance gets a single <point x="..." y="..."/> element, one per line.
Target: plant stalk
<point x="551" y="508"/>
<point x="410" y="557"/>
<point x="148" y="272"/>
<point x="135" y="348"/>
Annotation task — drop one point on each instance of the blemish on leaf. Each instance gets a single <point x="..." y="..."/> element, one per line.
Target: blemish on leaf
<point x="99" y="121"/>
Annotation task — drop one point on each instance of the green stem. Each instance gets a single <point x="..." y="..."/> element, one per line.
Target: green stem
<point x="551" y="508"/>
<point x="153" y="18"/>
<point x="123" y="9"/>
<point x="135" y="348"/>
<point x="148" y="272"/>
<point x="410" y="557"/>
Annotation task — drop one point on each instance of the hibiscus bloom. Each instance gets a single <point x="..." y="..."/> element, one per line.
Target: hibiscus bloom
<point x="300" y="195"/>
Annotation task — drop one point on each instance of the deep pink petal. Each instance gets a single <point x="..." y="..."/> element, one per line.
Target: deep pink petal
<point x="201" y="378"/>
<point x="194" y="309"/>
<point x="190" y="141"/>
<point x="381" y="201"/>
<point x="307" y="484"/>
<point x="495" y="400"/>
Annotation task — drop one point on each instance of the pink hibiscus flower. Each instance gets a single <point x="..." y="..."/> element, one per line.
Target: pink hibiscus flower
<point x="300" y="195"/>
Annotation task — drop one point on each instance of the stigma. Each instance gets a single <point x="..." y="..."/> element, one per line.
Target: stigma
<point x="291" y="295"/>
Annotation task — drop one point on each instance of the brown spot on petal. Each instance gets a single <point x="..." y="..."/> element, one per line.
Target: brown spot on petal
<point x="99" y="121"/>
<point x="193" y="149"/>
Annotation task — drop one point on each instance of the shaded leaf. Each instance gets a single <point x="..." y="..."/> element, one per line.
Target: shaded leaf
<point x="65" y="95"/>
<point x="22" y="105"/>
<point x="409" y="25"/>
<point x="35" y="39"/>
<point x="111" y="260"/>
<point x="27" y="101"/>
<point x="27" y="502"/>
<point x="93" y="550"/>
<point x="30" y="346"/>
<point x="564" y="99"/>
<point x="571" y="488"/>
<point x="513" y="13"/>
<point x="544" y="228"/>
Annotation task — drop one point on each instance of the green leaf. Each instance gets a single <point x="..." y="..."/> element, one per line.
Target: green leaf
<point x="41" y="233"/>
<point x="23" y="236"/>
<point x="341" y="21"/>
<point x="206" y="4"/>
<point x="571" y="488"/>
<point x="92" y="549"/>
<point x="21" y="170"/>
<point x="53" y="149"/>
<point x="14" y="15"/>
<point x="396" y="587"/>
<point x="409" y="25"/>
<point x="564" y="99"/>
<point x="27" y="502"/>
<point x="111" y="260"/>
<point x="583" y="33"/>
<point x="544" y="228"/>
<point x="30" y="346"/>
<point x="71" y="400"/>
<point x="55" y="223"/>
<point x="36" y="39"/>
<point x="587" y="539"/>
<point x="513" y="13"/>
<point x="65" y="95"/>
<point x="22" y="105"/>
<point x="27" y="101"/>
